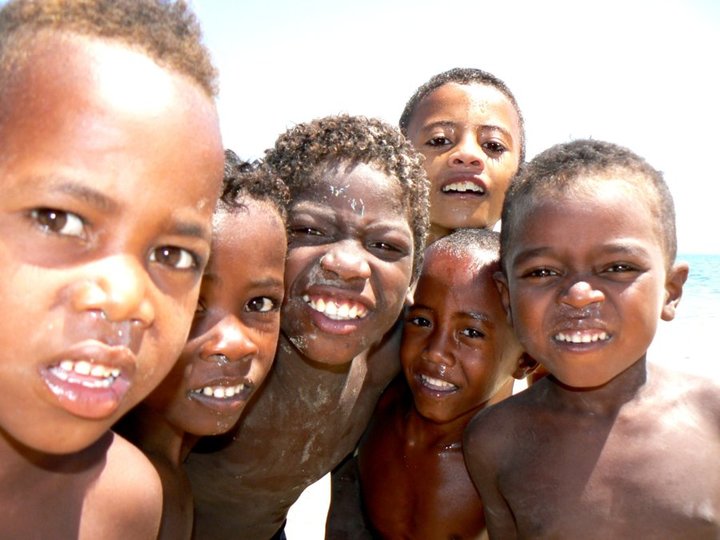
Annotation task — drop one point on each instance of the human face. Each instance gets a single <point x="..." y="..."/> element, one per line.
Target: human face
<point x="587" y="281"/>
<point x="233" y="339"/>
<point x="104" y="233"/>
<point x="458" y="349"/>
<point x="470" y="137"/>
<point x="349" y="263"/>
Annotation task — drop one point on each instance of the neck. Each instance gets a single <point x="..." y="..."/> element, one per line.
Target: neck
<point x="606" y="399"/>
<point x="155" y="436"/>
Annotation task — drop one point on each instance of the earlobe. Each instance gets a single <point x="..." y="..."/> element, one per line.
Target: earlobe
<point x="501" y="284"/>
<point x="676" y="278"/>
<point x="410" y="294"/>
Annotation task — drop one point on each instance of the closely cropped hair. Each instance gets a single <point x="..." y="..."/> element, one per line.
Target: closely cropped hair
<point x="462" y="76"/>
<point x="302" y="150"/>
<point x="167" y="31"/>
<point x="484" y="243"/>
<point x="569" y="167"/>
<point x="252" y="180"/>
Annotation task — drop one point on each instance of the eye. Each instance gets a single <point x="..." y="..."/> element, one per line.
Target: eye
<point x="472" y="333"/>
<point x="540" y="273"/>
<point x="419" y="321"/>
<point x="175" y="257"/>
<point x="494" y="148"/>
<point x="440" y="140"/>
<point x="620" y="268"/>
<point x="201" y="307"/>
<point x="58" y="222"/>
<point x="261" y="304"/>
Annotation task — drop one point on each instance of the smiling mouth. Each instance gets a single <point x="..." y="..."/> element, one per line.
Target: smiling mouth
<point x="220" y="392"/>
<point x="345" y="310"/>
<point x="436" y="384"/>
<point x="463" y="187"/>
<point x="86" y="373"/>
<point x="581" y="337"/>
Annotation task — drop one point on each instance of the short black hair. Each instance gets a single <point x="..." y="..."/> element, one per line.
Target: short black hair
<point x="303" y="149"/>
<point x="252" y="180"/>
<point x="167" y="31"/>
<point x="483" y="242"/>
<point x="462" y="76"/>
<point x="566" y="168"/>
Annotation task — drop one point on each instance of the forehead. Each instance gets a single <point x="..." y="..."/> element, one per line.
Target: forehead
<point x="464" y="276"/>
<point x="362" y="188"/>
<point x="474" y="104"/>
<point x="603" y="209"/>
<point x="83" y="94"/>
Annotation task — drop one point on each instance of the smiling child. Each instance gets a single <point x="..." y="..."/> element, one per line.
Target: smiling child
<point x="105" y="226"/>
<point x="232" y="341"/>
<point x="469" y="127"/>
<point x="357" y="215"/>
<point x="607" y="445"/>
<point x="459" y="355"/>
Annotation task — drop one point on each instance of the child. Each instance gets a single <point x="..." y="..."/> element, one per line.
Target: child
<point x="607" y="445"/>
<point x="459" y="355"/>
<point x="232" y="342"/>
<point x="468" y="126"/>
<point x="105" y="217"/>
<point x="357" y="215"/>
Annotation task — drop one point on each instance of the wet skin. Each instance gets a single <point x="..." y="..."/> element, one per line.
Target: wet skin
<point x="351" y="246"/>
<point x="606" y="446"/>
<point x="459" y="355"/>
<point x="470" y="137"/>
<point x="108" y="193"/>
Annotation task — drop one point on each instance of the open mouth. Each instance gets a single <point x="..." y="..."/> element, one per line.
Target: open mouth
<point x="221" y="392"/>
<point x="463" y="187"/>
<point x="85" y="373"/>
<point x="335" y="309"/>
<point x="437" y="385"/>
<point x="583" y="336"/>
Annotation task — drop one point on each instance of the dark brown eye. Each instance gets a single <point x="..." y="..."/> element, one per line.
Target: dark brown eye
<point x="58" y="222"/>
<point x="175" y="257"/>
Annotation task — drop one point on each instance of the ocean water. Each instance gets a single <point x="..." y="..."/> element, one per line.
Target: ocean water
<point x="686" y="342"/>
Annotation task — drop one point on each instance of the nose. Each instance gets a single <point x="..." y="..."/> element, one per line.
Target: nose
<point x="438" y="348"/>
<point x="118" y="288"/>
<point x="581" y="293"/>
<point x="229" y="338"/>
<point x="347" y="260"/>
<point x="467" y="153"/>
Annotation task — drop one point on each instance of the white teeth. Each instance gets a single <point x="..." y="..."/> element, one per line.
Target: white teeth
<point x="463" y="187"/>
<point x="103" y="375"/>
<point x="337" y="311"/>
<point x="437" y="383"/>
<point x="581" y="337"/>
<point x="220" y="392"/>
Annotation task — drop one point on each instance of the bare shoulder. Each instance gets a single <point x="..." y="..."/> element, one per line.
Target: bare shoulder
<point x="126" y="499"/>
<point x="676" y="387"/>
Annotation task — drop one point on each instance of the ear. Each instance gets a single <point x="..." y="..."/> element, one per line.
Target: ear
<point x="502" y="287"/>
<point x="526" y="365"/>
<point x="676" y="278"/>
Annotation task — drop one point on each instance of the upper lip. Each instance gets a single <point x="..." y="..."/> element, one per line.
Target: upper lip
<point x="221" y="381"/>
<point x="96" y="352"/>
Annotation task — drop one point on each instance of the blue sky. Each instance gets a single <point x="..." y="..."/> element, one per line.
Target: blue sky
<point x="643" y="74"/>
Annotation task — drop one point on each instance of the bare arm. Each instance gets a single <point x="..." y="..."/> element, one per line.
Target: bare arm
<point x="482" y="448"/>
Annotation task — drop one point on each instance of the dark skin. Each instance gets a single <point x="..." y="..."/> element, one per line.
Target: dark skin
<point x="459" y="355"/>
<point x="351" y="247"/>
<point x="607" y="445"/>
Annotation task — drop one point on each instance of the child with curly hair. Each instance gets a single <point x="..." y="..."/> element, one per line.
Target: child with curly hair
<point x="357" y="222"/>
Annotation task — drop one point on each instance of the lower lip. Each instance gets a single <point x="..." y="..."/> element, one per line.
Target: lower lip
<point x="332" y="326"/>
<point x="433" y="390"/>
<point x="90" y="403"/>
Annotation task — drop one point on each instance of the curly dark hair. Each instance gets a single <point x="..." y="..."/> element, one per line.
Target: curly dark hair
<point x="253" y="180"/>
<point x="573" y="167"/>
<point x="463" y="76"/>
<point x="167" y="31"/>
<point x="303" y="149"/>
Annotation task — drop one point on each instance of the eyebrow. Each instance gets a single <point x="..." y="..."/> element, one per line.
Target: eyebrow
<point x="615" y="248"/>
<point x="448" y="124"/>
